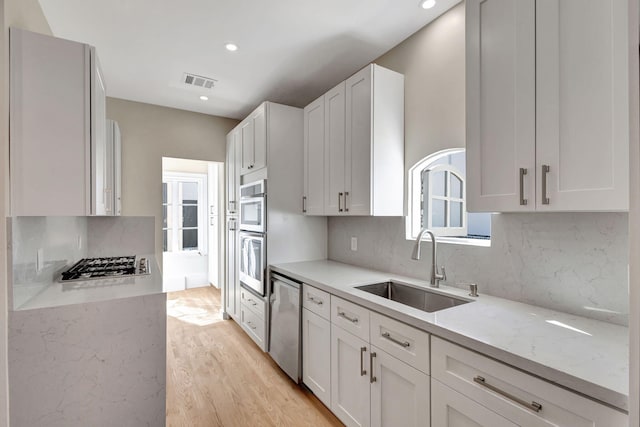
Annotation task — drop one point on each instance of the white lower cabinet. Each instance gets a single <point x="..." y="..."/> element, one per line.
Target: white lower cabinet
<point x="350" y="394"/>
<point x="399" y="393"/>
<point x="316" y="355"/>
<point x="452" y="409"/>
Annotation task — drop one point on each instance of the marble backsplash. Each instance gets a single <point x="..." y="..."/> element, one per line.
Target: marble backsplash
<point x="62" y="241"/>
<point x="571" y="262"/>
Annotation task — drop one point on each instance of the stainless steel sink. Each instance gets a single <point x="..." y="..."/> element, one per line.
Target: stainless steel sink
<point x="422" y="299"/>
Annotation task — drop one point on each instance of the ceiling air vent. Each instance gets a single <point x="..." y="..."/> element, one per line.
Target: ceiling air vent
<point x="198" y="81"/>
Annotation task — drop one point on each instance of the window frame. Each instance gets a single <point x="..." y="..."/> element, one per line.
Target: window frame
<point x="175" y="243"/>
<point x="447" y="199"/>
<point x="414" y="199"/>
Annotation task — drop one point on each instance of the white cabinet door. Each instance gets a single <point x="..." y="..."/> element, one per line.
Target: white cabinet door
<point x="399" y="393"/>
<point x="316" y="355"/>
<point x="452" y="409"/>
<point x="500" y="108"/>
<point x="350" y="393"/>
<point x="50" y="101"/>
<point x="231" y="289"/>
<point x="231" y="181"/>
<point x="357" y="197"/>
<point x="259" y="118"/>
<point x="102" y="157"/>
<point x="314" y="165"/>
<point x="247" y="146"/>
<point x="334" y="122"/>
<point x="582" y="104"/>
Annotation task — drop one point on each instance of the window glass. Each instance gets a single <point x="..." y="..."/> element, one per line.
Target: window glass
<point x="438" y="213"/>
<point x="190" y="216"/>
<point x="456" y="186"/>
<point x="189" y="193"/>
<point x="183" y="213"/>
<point x="455" y="218"/>
<point x="190" y="239"/>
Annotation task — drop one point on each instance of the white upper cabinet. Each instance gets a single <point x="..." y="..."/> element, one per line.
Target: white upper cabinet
<point x="313" y="202"/>
<point x="58" y="149"/>
<point x="547" y="105"/>
<point x="582" y="104"/>
<point x="253" y="135"/>
<point x="363" y="141"/>
<point x="232" y="180"/>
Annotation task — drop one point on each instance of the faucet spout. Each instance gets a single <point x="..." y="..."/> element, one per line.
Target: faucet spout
<point x="435" y="276"/>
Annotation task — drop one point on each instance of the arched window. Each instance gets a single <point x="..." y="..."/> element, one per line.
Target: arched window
<point x="437" y="200"/>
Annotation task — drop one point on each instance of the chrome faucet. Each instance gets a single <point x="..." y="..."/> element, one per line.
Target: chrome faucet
<point x="436" y="277"/>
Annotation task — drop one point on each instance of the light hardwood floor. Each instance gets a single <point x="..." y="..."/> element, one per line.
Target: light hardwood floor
<point x="217" y="376"/>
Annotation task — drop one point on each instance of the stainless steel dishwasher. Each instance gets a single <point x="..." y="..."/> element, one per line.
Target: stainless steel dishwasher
<point x="285" y="325"/>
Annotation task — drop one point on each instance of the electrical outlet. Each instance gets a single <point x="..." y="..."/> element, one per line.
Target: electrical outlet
<point x="354" y="243"/>
<point x="79" y="242"/>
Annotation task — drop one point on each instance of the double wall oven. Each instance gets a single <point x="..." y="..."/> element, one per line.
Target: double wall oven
<point x="253" y="237"/>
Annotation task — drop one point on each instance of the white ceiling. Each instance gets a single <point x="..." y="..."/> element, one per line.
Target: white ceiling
<point x="290" y="51"/>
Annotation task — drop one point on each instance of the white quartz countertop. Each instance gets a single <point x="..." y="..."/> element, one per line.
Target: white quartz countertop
<point x="78" y="292"/>
<point x="581" y="354"/>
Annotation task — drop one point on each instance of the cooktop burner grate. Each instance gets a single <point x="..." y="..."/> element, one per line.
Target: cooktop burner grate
<point x="96" y="268"/>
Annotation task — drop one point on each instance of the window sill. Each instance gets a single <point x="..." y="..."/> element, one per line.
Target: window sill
<point x="458" y="241"/>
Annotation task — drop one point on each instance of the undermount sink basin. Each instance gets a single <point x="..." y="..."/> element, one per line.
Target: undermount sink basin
<point x="422" y="299"/>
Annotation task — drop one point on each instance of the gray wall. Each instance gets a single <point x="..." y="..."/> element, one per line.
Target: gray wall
<point x="571" y="262"/>
<point x="150" y="132"/>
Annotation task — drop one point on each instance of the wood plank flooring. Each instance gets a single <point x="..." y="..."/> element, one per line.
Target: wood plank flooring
<point x="217" y="376"/>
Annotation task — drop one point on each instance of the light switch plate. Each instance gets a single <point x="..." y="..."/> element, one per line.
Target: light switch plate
<point x="354" y="243"/>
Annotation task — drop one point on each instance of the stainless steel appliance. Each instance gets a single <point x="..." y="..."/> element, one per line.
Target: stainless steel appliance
<point x="253" y="207"/>
<point x="285" y="330"/>
<point x="106" y="267"/>
<point x="253" y="259"/>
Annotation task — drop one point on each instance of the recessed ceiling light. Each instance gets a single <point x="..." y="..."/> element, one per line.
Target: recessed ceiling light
<point x="427" y="4"/>
<point x="204" y="98"/>
<point x="231" y="47"/>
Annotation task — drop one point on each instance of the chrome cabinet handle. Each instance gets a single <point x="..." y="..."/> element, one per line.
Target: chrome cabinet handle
<point x="251" y="325"/>
<point x="372" y="378"/>
<point x="545" y="171"/>
<point x="346" y="208"/>
<point x="315" y="301"/>
<point x="251" y="300"/>
<point x="534" y="406"/>
<point x="523" y="172"/>
<point x="405" y="344"/>
<point x="304" y="204"/>
<point x="350" y="319"/>
<point x="363" y="371"/>
<point x="340" y="202"/>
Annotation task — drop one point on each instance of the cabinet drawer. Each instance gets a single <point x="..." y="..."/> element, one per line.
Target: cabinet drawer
<point x="316" y="301"/>
<point x="408" y="344"/>
<point x="510" y="392"/>
<point x="254" y="303"/>
<point x="253" y="325"/>
<point x="350" y="317"/>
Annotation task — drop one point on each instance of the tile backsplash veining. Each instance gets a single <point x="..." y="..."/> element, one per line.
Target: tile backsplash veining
<point x="62" y="241"/>
<point x="571" y="262"/>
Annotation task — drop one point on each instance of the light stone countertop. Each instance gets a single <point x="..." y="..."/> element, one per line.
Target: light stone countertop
<point x="56" y="294"/>
<point x="581" y="354"/>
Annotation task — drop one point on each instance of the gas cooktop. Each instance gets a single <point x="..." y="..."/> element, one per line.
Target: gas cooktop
<point x="107" y="267"/>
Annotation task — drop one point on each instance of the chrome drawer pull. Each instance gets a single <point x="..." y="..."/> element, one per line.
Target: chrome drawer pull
<point x="534" y="406"/>
<point x="545" y="171"/>
<point x="372" y="378"/>
<point x="523" y="172"/>
<point x="363" y="371"/>
<point x="405" y="344"/>
<point x="251" y="325"/>
<point x="350" y="319"/>
<point x="315" y="301"/>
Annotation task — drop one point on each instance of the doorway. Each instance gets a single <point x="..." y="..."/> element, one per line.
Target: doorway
<point x="192" y="238"/>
